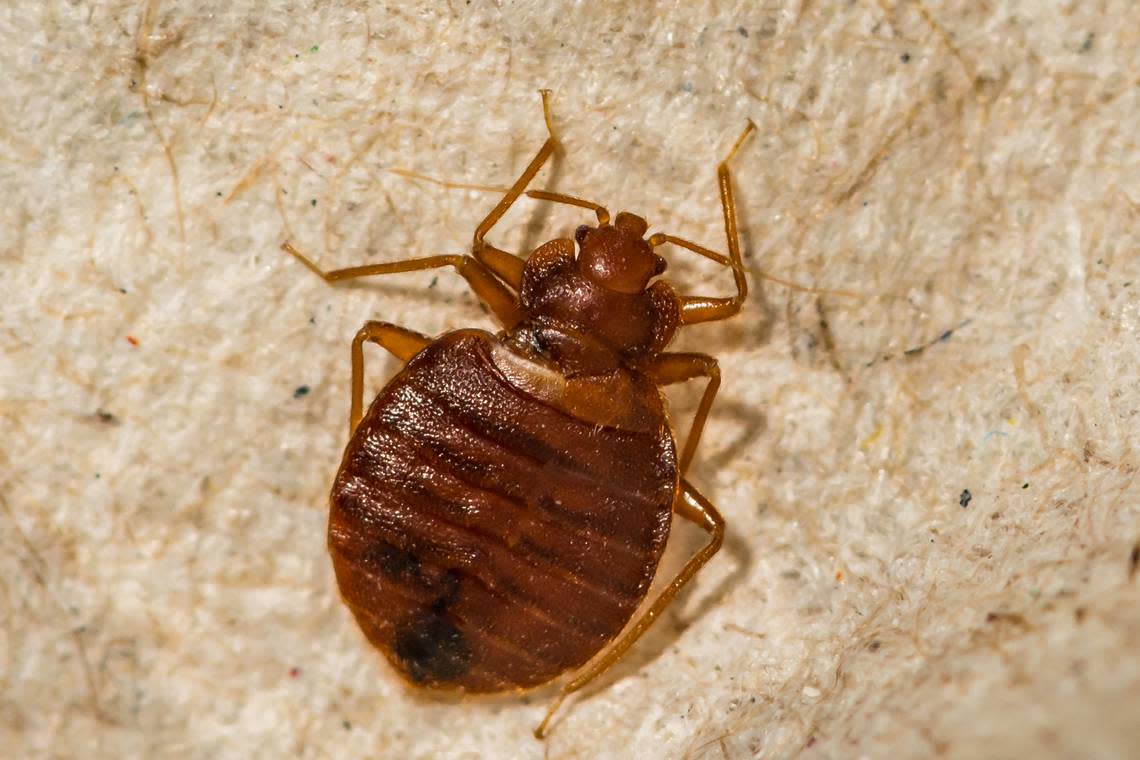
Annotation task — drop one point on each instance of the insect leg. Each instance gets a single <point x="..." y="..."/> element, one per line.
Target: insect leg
<point x="666" y="369"/>
<point x="696" y="309"/>
<point x="398" y="341"/>
<point x="506" y="265"/>
<point x="690" y="504"/>
<point x="498" y="297"/>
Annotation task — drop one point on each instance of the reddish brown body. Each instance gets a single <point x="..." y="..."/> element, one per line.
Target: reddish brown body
<point x="502" y="506"/>
<point x="489" y="539"/>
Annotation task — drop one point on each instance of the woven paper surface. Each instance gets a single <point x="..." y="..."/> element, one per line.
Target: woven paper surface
<point x="929" y="547"/>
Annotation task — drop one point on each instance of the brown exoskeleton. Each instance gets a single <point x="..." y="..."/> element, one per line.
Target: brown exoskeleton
<point x="501" y="508"/>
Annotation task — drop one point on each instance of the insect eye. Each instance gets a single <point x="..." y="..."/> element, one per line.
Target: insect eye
<point x="580" y="233"/>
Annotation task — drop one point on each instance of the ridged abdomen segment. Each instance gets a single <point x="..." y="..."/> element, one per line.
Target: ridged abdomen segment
<point x="486" y="540"/>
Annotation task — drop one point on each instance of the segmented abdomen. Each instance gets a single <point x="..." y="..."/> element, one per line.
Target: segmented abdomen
<point x="486" y="540"/>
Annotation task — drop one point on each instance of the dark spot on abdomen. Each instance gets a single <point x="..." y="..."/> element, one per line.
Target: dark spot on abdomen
<point x="432" y="649"/>
<point x="392" y="561"/>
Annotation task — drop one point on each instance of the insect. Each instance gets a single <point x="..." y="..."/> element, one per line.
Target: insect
<point x="502" y="506"/>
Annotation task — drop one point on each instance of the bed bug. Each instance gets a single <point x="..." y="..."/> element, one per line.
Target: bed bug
<point x="502" y="506"/>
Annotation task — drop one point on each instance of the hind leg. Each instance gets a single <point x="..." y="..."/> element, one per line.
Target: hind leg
<point x="690" y="504"/>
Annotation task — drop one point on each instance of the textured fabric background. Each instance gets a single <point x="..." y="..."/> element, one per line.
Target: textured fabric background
<point x="927" y="167"/>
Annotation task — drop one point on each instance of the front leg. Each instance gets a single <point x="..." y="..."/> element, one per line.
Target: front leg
<point x="696" y="309"/>
<point x="498" y="297"/>
<point x="508" y="266"/>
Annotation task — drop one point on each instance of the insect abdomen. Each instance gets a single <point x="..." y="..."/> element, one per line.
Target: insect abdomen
<point x="486" y="540"/>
